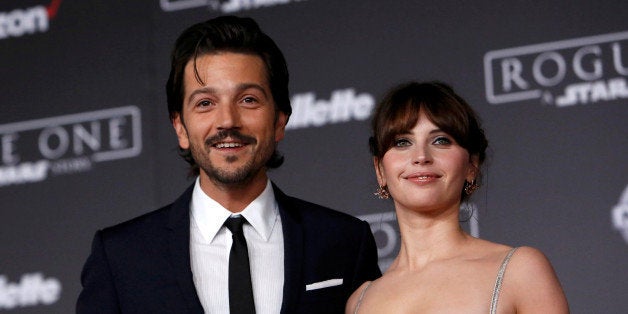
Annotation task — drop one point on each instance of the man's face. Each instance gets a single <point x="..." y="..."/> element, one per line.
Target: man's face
<point x="229" y="123"/>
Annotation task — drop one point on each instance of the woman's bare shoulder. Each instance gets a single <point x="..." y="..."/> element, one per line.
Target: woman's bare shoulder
<point x="355" y="297"/>
<point x="528" y="259"/>
<point x="533" y="283"/>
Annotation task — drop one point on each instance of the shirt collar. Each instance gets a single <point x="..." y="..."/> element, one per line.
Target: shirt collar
<point x="209" y="215"/>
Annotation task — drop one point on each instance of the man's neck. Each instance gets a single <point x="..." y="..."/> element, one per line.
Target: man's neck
<point x="234" y="197"/>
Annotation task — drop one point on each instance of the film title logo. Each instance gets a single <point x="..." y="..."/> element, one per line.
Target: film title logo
<point x="20" y="22"/>
<point x="563" y="73"/>
<point x="32" y="150"/>
<point x="224" y="6"/>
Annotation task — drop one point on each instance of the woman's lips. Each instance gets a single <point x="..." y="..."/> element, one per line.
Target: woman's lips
<point x="423" y="177"/>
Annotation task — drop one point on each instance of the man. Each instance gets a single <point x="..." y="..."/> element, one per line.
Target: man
<point x="229" y="105"/>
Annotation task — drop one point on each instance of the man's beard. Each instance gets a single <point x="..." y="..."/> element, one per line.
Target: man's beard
<point x="240" y="176"/>
<point x="237" y="177"/>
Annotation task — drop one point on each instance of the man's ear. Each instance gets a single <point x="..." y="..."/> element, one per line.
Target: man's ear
<point x="182" y="133"/>
<point x="280" y="126"/>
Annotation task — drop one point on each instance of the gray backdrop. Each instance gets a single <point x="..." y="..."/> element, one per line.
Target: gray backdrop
<point x="85" y="140"/>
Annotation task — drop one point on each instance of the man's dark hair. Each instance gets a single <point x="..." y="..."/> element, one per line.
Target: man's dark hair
<point x="227" y="34"/>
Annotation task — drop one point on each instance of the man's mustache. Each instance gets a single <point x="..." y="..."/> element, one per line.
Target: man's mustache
<point x="231" y="133"/>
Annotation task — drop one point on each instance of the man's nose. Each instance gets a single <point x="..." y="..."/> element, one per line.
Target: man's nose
<point x="228" y="117"/>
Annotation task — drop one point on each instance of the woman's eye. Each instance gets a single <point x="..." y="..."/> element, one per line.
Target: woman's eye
<point x="401" y="142"/>
<point x="441" y="140"/>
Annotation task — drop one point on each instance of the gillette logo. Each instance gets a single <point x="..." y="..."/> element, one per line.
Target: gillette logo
<point x="224" y="6"/>
<point x="32" y="290"/>
<point x="563" y="73"/>
<point x="20" y="22"/>
<point x="343" y="106"/>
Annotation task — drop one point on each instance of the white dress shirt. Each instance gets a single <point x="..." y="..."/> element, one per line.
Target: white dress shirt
<point x="210" y="244"/>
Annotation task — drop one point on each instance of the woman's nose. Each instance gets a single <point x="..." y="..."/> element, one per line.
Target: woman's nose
<point x="422" y="156"/>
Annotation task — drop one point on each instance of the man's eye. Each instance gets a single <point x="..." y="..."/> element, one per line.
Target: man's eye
<point x="250" y="101"/>
<point x="204" y="103"/>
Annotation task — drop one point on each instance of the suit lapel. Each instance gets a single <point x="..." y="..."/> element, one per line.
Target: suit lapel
<point x="179" y="249"/>
<point x="291" y="224"/>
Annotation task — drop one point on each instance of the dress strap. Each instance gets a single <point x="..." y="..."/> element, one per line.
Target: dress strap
<point x="500" y="278"/>
<point x="357" y="306"/>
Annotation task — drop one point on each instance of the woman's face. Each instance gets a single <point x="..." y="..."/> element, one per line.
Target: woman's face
<point x="425" y="169"/>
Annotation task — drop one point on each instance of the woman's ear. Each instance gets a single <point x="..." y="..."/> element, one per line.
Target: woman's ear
<point x="474" y="169"/>
<point x="379" y="171"/>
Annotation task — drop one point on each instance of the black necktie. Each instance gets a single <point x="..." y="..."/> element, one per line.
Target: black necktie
<point x="240" y="287"/>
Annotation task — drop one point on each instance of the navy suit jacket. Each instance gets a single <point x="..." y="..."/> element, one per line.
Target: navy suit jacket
<point x="143" y="265"/>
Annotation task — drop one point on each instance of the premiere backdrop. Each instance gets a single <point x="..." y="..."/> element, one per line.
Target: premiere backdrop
<point x="85" y="140"/>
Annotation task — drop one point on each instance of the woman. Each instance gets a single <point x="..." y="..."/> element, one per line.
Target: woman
<point x="428" y="147"/>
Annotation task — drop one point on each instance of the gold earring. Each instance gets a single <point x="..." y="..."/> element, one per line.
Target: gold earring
<point x="470" y="187"/>
<point x="382" y="192"/>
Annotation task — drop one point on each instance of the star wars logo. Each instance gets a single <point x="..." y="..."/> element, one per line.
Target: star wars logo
<point x="31" y="150"/>
<point x="224" y="6"/>
<point x="563" y="73"/>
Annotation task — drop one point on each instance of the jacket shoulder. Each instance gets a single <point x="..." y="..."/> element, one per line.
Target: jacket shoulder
<point x="153" y="222"/>
<point x="309" y="211"/>
<point x="142" y="223"/>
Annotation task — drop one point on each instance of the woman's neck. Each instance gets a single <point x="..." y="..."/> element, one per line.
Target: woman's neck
<point x="429" y="236"/>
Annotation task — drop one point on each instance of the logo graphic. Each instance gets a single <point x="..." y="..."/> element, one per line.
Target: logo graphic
<point x="20" y="22"/>
<point x="224" y="6"/>
<point x="386" y="232"/>
<point x="620" y="215"/>
<point x="30" y="150"/>
<point x="32" y="290"/>
<point x="469" y="216"/>
<point x="343" y="106"/>
<point x="563" y="73"/>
